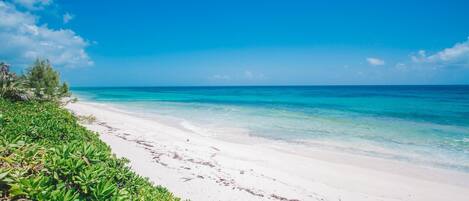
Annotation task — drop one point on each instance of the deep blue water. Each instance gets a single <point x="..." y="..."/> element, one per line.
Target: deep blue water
<point x="427" y="125"/>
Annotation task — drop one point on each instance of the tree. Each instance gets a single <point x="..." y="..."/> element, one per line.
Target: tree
<point x="11" y="86"/>
<point x="64" y="90"/>
<point x="44" y="81"/>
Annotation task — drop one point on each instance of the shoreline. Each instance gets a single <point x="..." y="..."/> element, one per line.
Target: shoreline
<point x="200" y="167"/>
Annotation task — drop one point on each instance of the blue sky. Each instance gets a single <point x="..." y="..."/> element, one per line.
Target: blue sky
<point x="141" y="43"/>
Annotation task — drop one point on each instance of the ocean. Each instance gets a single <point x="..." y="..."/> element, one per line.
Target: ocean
<point x="424" y="125"/>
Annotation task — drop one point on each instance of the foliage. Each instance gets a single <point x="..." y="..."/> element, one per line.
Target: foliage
<point x="41" y="82"/>
<point x="46" y="155"/>
<point x="11" y="86"/>
<point x="87" y="119"/>
<point x="44" y="81"/>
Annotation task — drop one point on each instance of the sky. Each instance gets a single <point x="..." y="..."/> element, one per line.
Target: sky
<point x="211" y="43"/>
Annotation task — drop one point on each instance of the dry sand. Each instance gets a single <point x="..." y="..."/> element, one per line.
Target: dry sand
<point x="205" y="167"/>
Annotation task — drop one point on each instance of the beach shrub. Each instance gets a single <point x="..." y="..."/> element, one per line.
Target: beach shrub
<point x="46" y="155"/>
<point x="45" y="82"/>
<point x="11" y="86"/>
<point x="41" y="82"/>
<point x="86" y="119"/>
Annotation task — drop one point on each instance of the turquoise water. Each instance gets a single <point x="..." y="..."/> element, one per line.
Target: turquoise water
<point x="426" y="125"/>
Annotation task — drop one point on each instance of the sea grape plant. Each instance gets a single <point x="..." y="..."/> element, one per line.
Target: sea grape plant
<point x="46" y="155"/>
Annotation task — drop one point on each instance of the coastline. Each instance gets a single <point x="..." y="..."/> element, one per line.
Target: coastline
<point x="202" y="167"/>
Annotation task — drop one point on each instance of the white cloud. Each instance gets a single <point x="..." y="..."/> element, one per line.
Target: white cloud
<point x="420" y="57"/>
<point x="253" y="76"/>
<point x="33" y="4"/>
<point x="221" y="77"/>
<point x="401" y="66"/>
<point x="375" y="61"/>
<point x="458" y="55"/>
<point x="23" y="40"/>
<point x="248" y="74"/>
<point x="67" y="17"/>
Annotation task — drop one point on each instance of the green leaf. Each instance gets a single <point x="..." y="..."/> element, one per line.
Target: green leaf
<point x="3" y="175"/>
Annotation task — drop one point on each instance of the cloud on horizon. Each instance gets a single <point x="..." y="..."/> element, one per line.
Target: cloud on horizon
<point x="221" y="77"/>
<point x="375" y="61"/>
<point x="253" y="76"/>
<point x="456" y="56"/>
<point x="24" y="40"/>
<point x="246" y="75"/>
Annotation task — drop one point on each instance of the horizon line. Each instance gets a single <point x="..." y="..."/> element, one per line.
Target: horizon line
<point x="326" y="85"/>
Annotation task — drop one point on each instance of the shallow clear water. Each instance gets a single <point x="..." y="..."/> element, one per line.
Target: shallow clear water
<point x="426" y="125"/>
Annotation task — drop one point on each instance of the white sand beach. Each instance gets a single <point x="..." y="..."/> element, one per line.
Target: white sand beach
<point x="205" y="167"/>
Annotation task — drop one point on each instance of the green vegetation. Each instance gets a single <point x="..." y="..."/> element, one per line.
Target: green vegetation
<point x="86" y="119"/>
<point x="44" y="81"/>
<point x="11" y="86"/>
<point x="40" y="82"/>
<point x="46" y="155"/>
